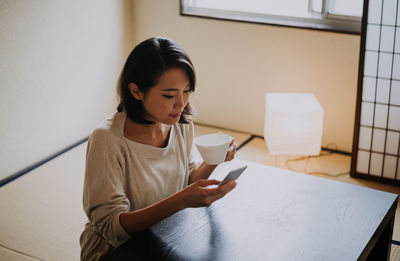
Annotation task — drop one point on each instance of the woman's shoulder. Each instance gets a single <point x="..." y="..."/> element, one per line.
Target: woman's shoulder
<point x="110" y="130"/>
<point x="187" y="129"/>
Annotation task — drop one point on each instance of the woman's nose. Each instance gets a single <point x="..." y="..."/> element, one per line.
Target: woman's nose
<point x="179" y="101"/>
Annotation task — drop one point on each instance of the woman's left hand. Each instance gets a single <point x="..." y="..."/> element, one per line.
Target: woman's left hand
<point x="230" y="154"/>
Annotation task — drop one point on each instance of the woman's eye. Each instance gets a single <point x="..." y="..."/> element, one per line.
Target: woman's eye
<point x="168" y="96"/>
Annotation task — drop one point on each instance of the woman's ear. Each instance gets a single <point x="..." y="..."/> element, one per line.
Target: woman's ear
<point x="136" y="93"/>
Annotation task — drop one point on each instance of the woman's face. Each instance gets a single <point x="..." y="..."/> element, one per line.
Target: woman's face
<point x="165" y="102"/>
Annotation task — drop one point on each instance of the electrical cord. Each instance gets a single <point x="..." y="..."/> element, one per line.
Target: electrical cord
<point x="322" y="154"/>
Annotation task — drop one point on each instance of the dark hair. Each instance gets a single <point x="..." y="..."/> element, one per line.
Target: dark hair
<point x="144" y="66"/>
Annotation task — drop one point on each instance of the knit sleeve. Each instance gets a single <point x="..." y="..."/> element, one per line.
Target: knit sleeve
<point x="104" y="198"/>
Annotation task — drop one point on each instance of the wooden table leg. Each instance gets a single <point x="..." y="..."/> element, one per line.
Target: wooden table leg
<point x="381" y="250"/>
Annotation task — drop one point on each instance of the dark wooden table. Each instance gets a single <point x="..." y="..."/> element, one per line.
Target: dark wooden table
<point x="274" y="214"/>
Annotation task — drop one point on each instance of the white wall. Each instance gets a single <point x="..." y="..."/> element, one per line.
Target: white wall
<point x="60" y="61"/>
<point x="237" y="63"/>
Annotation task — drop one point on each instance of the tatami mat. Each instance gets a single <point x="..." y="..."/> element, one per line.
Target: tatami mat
<point x="256" y="150"/>
<point x="10" y="255"/>
<point x="395" y="253"/>
<point x="41" y="212"/>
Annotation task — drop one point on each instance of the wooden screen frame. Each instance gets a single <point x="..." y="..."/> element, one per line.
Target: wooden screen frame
<point x="357" y="123"/>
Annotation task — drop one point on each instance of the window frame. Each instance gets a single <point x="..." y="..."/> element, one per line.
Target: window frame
<point x="323" y="21"/>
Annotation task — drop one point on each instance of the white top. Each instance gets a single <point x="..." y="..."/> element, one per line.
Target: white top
<point x="122" y="175"/>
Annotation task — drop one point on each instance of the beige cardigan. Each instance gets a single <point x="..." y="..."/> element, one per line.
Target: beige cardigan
<point x="122" y="175"/>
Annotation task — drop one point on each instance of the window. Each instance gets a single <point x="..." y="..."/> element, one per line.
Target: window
<point x="330" y="15"/>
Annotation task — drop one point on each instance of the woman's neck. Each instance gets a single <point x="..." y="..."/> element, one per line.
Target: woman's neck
<point x="155" y="135"/>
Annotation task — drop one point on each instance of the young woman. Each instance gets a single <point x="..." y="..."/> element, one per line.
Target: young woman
<point x="139" y="162"/>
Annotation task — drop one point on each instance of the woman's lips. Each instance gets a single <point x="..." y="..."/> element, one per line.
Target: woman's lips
<point x="175" y="115"/>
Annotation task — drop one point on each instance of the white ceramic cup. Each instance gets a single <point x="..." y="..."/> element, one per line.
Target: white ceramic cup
<point x="213" y="147"/>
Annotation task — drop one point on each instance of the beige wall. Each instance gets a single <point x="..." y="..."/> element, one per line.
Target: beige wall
<point x="237" y="63"/>
<point x="60" y="61"/>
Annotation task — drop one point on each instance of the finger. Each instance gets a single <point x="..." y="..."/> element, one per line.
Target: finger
<point x="221" y="190"/>
<point x="231" y="153"/>
<point x="215" y="197"/>
<point x="228" y="186"/>
<point x="208" y="182"/>
<point x="213" y="189"/>
<point x="232" y="148"/>
<point x="228" y="157"/>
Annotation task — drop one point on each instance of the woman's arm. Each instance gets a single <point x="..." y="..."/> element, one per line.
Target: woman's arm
<point x="194" y="195"/>
<point x="141" y="219"/>
<point x="202" y="171"/>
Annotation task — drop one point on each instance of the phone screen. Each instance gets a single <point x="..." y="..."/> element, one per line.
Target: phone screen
<point x="233" y="175"/>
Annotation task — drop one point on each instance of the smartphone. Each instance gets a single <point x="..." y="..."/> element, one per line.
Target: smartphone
<point x="233" y="175"/>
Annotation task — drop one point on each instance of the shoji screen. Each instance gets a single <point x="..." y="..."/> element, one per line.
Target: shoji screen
<point x="377" y="126"/>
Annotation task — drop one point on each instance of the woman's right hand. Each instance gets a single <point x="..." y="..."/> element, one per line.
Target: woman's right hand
<point x="199" y="194"/>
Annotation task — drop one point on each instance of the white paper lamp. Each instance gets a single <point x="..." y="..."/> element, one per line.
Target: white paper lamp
<point x="293" y="124"/>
